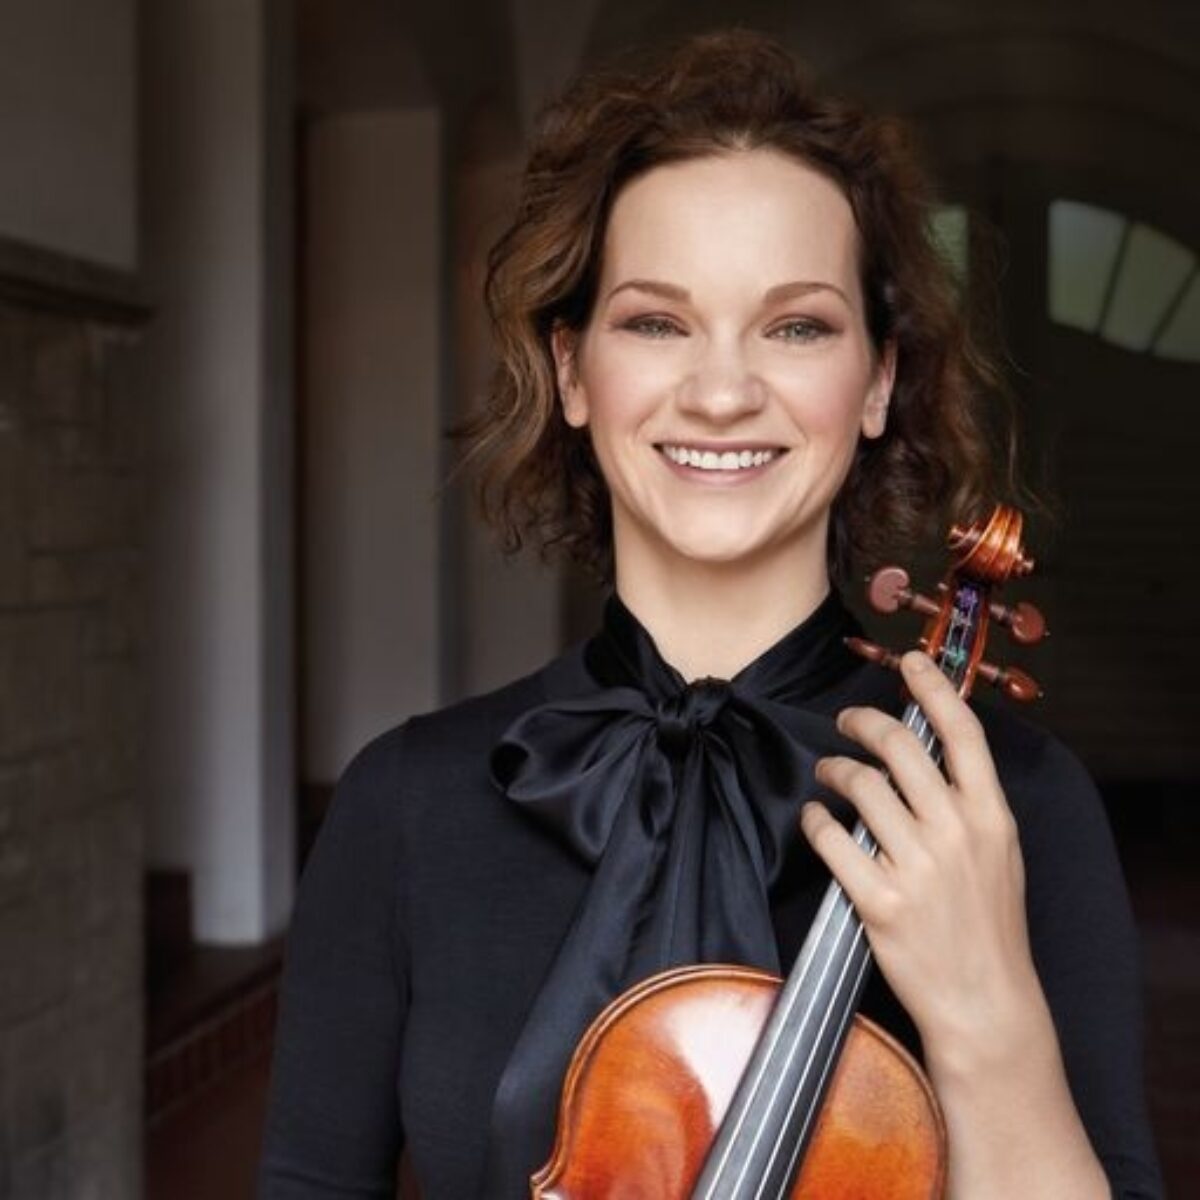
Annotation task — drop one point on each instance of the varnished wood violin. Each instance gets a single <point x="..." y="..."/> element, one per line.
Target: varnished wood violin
<point x="725" y="1083"/>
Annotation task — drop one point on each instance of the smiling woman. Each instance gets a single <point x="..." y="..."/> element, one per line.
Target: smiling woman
<point x="730" y="363"/>
<point x="729" y="323"/>
<point x="739" y="98"/>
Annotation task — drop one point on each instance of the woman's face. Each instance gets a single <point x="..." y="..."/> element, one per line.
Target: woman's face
<point x="726" y="373"/>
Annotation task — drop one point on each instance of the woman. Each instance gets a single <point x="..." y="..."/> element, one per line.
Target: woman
<point x="730" y="364"/>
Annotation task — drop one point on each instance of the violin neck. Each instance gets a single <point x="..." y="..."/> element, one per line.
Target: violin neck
<point x="761" y="1142"/>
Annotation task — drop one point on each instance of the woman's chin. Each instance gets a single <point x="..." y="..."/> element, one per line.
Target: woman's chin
<point x="717" y="552"/>
<point x="675" y="540"/>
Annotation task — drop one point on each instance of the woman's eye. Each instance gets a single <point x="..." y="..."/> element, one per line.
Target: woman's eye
<point x="656" y="327"/>
<point x="802" y="330"/>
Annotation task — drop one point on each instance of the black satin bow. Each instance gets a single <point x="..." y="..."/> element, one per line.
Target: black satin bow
<point x="684" y="799"/>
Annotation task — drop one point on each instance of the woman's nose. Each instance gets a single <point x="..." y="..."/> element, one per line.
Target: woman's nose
<point x="722" y="387"/>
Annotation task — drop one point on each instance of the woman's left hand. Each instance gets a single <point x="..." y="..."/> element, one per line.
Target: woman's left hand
<point x="943" y="901"/>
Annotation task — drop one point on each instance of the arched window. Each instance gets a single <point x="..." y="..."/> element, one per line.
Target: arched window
<point x="1124" y="281"/>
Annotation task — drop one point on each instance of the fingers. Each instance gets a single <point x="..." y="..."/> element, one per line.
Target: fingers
<point x="941" y="819"/>
<point x="876" y="801"/>
<point x="965" y="750"/>
<point x="914" y="773"/>
<point x="849" y="864"/>
<point x="968" y="759"/>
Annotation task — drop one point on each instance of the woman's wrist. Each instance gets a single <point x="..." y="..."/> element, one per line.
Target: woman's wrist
<point x="1011" y="1121"/>
<point x="1007" y="1024"/>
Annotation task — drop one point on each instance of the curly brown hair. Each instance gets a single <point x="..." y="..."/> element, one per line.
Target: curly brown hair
<point x="712" y="94"/>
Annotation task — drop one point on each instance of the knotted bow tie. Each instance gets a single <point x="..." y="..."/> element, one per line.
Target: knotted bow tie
<point x="683" y="798"/>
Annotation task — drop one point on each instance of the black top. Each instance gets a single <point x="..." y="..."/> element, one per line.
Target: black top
<point x="434" y="908"/>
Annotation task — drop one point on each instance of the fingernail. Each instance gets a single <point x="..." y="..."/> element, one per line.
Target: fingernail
<point x="919" y="662"/>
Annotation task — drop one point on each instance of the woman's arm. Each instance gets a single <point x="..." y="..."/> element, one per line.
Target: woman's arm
<point x="333" y="1125"/>
<point x="944" y="904"/>
<point x="1011" y="1122"/>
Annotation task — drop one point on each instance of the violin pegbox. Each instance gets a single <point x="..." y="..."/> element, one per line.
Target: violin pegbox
<point x="985" y="555"/>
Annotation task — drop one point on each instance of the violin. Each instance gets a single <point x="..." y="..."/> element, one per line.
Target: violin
<point x="723" y="1082"/>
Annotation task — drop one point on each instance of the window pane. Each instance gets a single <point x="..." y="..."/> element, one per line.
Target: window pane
<point x="1181" y="338"/>
<point x="1083" y="246"/>
<point x="1151" y="272"/>
<point x="948" y="224"/>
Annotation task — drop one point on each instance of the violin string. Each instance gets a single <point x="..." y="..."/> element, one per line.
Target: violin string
<point x="763" y="1060"/>
<point x="915" y="720"/>
<point x="836" y="898"/>
<point x="841" y="1013"/>
<point x="845" y="1015"/>
<point x="789" y="1054"/>
<point x="919" y="723"/>
<point x="769" y="1056"/>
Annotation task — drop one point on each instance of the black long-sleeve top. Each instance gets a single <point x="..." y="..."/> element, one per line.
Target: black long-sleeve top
<point x="431" y="910"/>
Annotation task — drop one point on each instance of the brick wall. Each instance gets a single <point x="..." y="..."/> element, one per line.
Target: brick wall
<point x="70" y="703"/>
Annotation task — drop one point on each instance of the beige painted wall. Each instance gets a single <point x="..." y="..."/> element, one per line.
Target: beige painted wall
<point x="371" y="428"/>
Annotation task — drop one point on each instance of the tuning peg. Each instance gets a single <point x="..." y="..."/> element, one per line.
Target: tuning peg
<point x="888" y="590"/>
<point x="1014" y="682"/>
<point x="1024" y="621"/>
<point x="873" y="652"/>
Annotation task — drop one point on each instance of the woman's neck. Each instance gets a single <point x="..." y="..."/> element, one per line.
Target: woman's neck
<point x="715" y="618"/>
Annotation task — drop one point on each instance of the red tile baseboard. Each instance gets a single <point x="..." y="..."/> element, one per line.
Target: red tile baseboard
<point x="201" y="1056"/>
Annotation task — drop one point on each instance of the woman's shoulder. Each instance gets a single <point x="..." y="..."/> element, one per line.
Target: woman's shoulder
<point x="1057" y="806"/>
<point x="1027" y="754"/>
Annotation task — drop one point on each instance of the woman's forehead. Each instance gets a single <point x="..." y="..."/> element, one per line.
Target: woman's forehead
<point x="746" y="213"/>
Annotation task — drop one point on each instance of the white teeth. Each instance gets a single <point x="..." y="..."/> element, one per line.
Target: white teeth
<point x="710" y="460"/>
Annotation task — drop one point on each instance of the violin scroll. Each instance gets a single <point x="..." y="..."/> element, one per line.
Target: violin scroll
<point x="985" y="555"/>
<point x="991" y="551"/>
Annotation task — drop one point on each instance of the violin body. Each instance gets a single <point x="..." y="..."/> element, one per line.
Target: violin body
<point x="655" y="1073"/>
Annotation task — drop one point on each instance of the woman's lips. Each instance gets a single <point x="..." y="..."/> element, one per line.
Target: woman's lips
<point x="724" y="464"/>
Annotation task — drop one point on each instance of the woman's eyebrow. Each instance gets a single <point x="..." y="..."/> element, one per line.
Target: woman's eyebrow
<point x="669" y="291"/>
<point x="802" y="287"/>
<point x="781" y="291"/>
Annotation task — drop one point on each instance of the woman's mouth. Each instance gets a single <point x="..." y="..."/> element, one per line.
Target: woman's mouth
<point x="725" y="462"/>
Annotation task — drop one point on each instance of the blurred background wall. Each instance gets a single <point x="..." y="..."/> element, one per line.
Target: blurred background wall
<point x="72" y="438"/>
<point x="241" y="250"/>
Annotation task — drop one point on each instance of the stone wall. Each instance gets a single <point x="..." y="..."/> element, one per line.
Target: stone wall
<point x="70" y="713"/>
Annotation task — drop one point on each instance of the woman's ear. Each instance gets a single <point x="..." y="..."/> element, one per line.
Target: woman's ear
<point x="564" y="345"/>
<point x="879" y="395"/>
